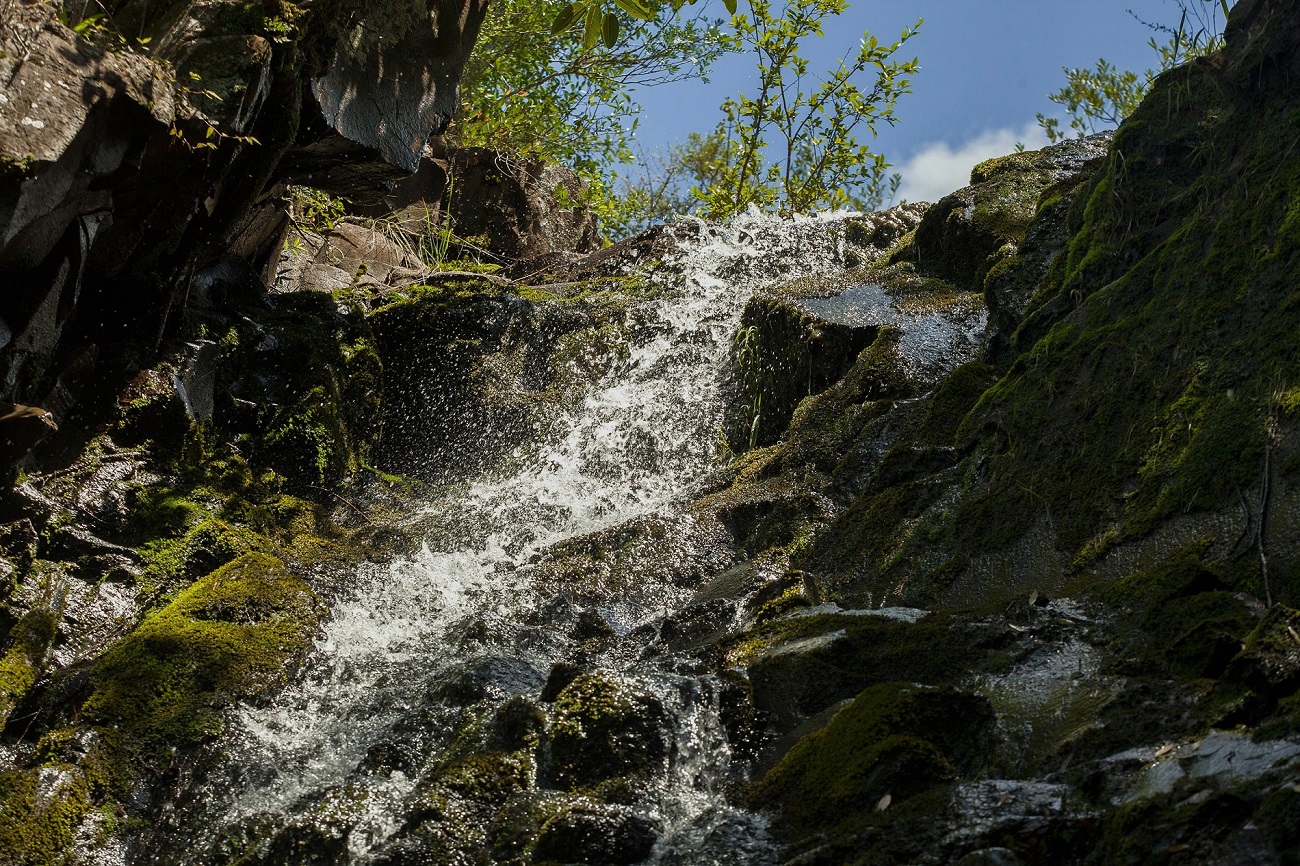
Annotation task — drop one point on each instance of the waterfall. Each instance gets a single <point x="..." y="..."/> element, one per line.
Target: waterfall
<point x="635" y="449"/>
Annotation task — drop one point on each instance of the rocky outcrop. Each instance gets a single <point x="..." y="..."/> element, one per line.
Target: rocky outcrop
<point x="146" y="150"/>
<point x="520" y="209"/>
<point x="1118" y="441"/>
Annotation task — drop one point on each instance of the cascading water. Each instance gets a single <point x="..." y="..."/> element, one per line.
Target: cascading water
<point x="473" y="600"/>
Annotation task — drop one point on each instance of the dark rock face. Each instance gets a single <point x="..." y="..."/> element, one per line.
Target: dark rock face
<point x="122" y="180"/>
<point x="393" y="80"/>
<point x="521" y="208"/>
<point x="21" y="427"/>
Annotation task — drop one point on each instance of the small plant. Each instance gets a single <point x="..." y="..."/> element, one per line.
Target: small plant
<point x="100" y="29"/>
<point x="213" y="134"/>
<point x="1100" y="98"/>
<point x="747" y="348"/>
<point x="436" y="238"/>
<point x="314" y="210"/>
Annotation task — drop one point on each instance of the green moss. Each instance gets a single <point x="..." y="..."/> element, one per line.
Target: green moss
<point x="201" y="550"/>
<point x="603" y="729"/>
<point x="894" y="739"/>
<point x="235" y="634"/>
<point x="317" y="395"/>
<point x="1180" y="616"/>
<point x="40" y="811"/>
<point x="21" y="663"/>
<point x="953" y="399"/>
<point x="1152" y="348"/>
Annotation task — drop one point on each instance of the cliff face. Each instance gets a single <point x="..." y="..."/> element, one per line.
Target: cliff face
<point x="144" y="151"/>
<point x="1129" y="440"/>
<point x="1145" y="406"/>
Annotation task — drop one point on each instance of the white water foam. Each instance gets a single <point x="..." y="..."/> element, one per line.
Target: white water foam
<point x="637" y="445"/>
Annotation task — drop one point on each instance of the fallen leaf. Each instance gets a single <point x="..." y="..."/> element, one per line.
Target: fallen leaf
<point x="884" y="802"/>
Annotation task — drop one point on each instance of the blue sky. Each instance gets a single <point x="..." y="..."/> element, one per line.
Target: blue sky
<point x="986" y="69"/>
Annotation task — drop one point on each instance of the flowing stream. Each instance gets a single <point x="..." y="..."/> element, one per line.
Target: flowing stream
<point x="636" y="449"/>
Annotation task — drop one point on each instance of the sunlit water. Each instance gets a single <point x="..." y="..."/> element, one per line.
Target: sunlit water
<point x="638" y="445"/>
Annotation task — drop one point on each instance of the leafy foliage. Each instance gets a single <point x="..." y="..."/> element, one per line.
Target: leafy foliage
<point x="1101" y="97"/>
<point x="794" y="145"/>
<point x="537" y="89"/>
<point x="662" y="184"/>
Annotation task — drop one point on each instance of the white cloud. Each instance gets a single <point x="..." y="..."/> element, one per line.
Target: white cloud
<point x="938" y="169"/>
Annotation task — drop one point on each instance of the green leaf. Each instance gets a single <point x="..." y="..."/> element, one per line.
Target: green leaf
<point x="609" y="30"/>
<point x="564" y="19"/>
<point x="591" y="29"/>
<point x="637" y="9"/>
<point x="731" y="6"/>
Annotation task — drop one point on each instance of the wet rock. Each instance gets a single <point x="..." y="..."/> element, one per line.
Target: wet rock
<point x="603" y="728"/>
<point x="1221" y="759"/>
<point x="596" y="834"/>
<point x="989" y="857"/>
<point x="1012" y="822"/>
<point x="966" y="232"/>
<point x="802" y="667"/>
<point x="561" y="674"/>
<point x="494" y="678"/>
<point x="591" y="626"/>
<point x="196" y="379"/>
<point x="718" y="835"/>
<point x="318" y="836"/>
<point x="807" y="338"/>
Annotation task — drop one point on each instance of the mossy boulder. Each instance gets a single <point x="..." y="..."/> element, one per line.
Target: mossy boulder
<point x="604" y="728"/>
<point x="782" y="353"/>
<point x="596" y="833"/>
<point x="893" y="741"/>
<point x="546" y="827"/>
<point x="965" y="233"/>
<point x="234" y="634"/>
<point x="66" y="794"/>
<point x="799" y="666"/>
